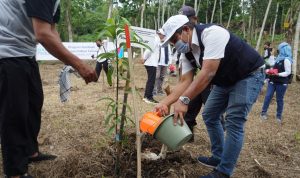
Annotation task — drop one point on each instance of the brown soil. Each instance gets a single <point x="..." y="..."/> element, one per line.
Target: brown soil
<point x="76" y="132"/>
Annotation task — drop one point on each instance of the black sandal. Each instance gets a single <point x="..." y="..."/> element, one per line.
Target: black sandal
<point x="41" y="157"/>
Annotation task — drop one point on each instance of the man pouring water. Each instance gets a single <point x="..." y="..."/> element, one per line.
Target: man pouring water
<point x="234" y="68"/>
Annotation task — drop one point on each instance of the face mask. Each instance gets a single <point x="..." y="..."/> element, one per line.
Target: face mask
<point x="182" y="47"/>
<point x="99" y="45"/>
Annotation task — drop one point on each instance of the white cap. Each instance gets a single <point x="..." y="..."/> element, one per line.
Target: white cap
<point x="173" y="24"/>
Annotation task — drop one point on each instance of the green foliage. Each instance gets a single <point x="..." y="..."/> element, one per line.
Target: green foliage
<point x="119" y="68"/>
<point x="85" y="17"/>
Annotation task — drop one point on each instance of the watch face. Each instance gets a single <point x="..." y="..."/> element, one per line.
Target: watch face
<point x="184" y="100"/>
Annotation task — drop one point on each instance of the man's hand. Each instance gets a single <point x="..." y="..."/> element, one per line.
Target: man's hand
<point x="162" y="109"/>
<point x="47" y="35"/>
<point x="87" y="73"/>
<point x="179" y="110"/>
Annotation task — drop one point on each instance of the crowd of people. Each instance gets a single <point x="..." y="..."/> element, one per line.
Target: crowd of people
<point x="217" y="69"/>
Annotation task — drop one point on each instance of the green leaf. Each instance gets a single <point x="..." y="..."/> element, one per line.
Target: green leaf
<point x="130" y="120"/>
<point x="104" y="33"/>
<point x="120" y="31"/>
<point x="111" y="129"/>
<point x="109" y="75"/>
<point x="107" y="55"/>
<point x="108" y="118"/>
<point x="106" y="98"/>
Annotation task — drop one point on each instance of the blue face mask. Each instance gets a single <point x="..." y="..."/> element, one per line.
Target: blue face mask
<point x="182" y="47"/>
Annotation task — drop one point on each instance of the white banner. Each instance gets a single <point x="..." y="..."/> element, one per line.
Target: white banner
<point x="83" y="50"/>
<point x="147" y="36"/>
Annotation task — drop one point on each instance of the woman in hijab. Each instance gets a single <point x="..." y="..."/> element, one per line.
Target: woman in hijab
<point x="279" y="79"/>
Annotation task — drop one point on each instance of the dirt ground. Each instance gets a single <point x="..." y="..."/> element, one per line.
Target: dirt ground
<point x="76" y="132"/>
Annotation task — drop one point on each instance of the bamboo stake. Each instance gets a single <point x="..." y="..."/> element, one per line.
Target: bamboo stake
<point x="137" y="123"/>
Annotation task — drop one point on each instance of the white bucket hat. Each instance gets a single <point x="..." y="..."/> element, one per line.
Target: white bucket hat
<point x="173" y="24"/>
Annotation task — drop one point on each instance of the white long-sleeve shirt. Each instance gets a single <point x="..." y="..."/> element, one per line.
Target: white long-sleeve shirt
<point x="287" y="68"/>
<point x="151" y="57"/>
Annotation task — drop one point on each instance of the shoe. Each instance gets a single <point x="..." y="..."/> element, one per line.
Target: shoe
<point x="215" y="174"/>
<point x="41" y="157"/>
<point x="263" y="117"/>
<point x="209" y="161"/>
<point x="150" y="100"/>
<point x="278" y="119"/>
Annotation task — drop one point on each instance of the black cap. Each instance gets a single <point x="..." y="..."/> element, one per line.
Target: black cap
<point x="187" y="10"/>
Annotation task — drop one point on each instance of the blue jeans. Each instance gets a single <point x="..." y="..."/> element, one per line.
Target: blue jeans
<point x="237" y="101"/>
<point x="280" y="90"/>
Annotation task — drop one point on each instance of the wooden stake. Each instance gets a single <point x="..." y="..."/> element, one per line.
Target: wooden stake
<point x="135" y="111"/>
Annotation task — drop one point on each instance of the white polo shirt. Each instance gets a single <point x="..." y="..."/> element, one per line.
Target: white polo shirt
<point x="214" y="39"/>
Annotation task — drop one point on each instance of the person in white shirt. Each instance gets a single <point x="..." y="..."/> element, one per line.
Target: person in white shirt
<point x="150" y="62"/>
<point x="267" y="50"/>
<point x="237" y="72"/>
<point x="278" y="82"/>
<point x="101" y="63"/>
<point x="164" y="59"/>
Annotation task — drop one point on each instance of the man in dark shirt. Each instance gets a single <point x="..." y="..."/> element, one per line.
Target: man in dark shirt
<point x="23" y="23"/>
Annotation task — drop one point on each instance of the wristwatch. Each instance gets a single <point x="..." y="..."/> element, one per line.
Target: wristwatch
<point x="184" y="99"/>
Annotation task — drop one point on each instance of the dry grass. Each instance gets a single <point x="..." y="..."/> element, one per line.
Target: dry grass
<point x="75" y="131"/>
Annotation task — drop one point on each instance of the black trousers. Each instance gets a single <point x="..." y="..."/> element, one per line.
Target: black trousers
<point x="151" y="73"/>
<point x="195" y="106"/>
<point x="100" y="65"/>
<point x="21" y="102"/>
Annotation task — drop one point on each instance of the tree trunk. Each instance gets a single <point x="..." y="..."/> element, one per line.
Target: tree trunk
<point x="275" y="20"/>
<point x="296" y="46"/>
<point x="263" y="25"/>
<point x="195" y="5"/>
<point x="183" y="3"/>
<point x="164" y="3"/>
<point x="255" y="30"/>
<point x="68" y="19"/>
<point x="206" y="15"/>
<point x="155" y="22"/>
<point x="198" y="8"/>
<point x="243" y="14"/>
<point x="221" y="13"/>
<point x="110" y="9"/>
<point x="158" y="14"/>
<point x="230" y="15"/>
<point x="142" y="14"/>
<point x="213" y="12"/>
<point x="168" y="11"/>
<point x="249" y="25"/>
<point x="142" y="21"/>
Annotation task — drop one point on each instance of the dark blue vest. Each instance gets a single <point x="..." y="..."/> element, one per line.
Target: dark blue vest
<point x="277" y="79"/>
<point x="239" y="61"/>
